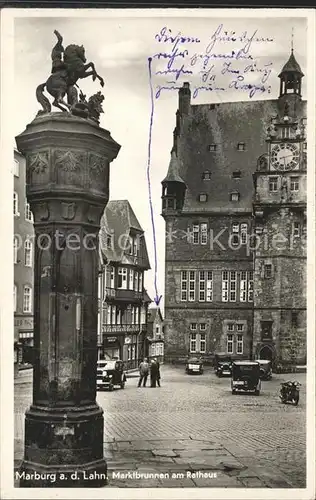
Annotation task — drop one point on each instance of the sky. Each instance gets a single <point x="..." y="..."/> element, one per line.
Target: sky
<point x="120" y="48"/>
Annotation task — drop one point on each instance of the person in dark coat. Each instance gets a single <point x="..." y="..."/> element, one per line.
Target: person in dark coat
<point x="143" y="373"/>
<point x="153" y="373"/>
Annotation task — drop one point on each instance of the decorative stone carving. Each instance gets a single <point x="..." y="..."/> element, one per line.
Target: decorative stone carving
<point x="68" y="210"/>
<point x="97" y="165"/>
<point x="38" y="162"/>
<point x="68" y="160"/>
<point x="42" y="211"/>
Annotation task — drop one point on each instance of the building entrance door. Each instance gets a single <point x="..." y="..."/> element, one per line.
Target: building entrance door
<point x="266" y="353"/>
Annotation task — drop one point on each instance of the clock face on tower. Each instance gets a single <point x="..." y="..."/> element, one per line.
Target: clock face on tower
<point x="285" y="156"/>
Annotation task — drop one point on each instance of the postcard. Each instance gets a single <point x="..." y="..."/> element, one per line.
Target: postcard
<point x="160" y="341"/>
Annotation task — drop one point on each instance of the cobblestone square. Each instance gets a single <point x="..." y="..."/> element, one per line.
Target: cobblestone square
<point x="193" y="423"/>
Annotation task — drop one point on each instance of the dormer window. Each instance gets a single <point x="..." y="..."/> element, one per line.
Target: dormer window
<point x="206" y="176"/>
<point x="241" y="146"/>
<point x="234" y="196"/>
<point x="202" y="197"/>
<point x="212" y="147"/>
<point x="236" y="174"/>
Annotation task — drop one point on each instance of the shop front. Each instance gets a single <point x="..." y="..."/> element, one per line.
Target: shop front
<point x="112" y="347"/>
<point x="24" y="343"/>
<point x="130" y="351"/>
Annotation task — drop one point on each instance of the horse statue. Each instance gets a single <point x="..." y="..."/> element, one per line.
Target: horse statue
<point x="68" y="66"/>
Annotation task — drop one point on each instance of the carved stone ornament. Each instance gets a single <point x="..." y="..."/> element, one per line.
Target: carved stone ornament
<point x="69" y="161"/>
<point x="97" y="165"/>
<point x="68" y="210"/>
<point x="43" y="211"/>
<point x="38" y="162"/>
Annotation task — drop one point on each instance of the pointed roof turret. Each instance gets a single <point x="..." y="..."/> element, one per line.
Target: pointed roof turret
<point x="291" y="66"/>
<point x="173" y="170"/>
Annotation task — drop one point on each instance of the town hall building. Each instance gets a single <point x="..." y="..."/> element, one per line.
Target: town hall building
<point x="234" y="204"/>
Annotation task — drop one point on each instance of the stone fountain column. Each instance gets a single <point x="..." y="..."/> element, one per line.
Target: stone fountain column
<point x="67" y="167"/>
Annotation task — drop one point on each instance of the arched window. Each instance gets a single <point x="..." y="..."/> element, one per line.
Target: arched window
<point x="28" y="253"/>
<point x="15" y="249"/>
<point x="27" y="299"/>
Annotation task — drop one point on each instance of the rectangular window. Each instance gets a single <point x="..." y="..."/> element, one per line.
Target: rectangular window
<point x="193" y="326"/>
<point x="235" y="228"/>
<point x="243" y="233"/>
<point x="112" y="277"/>
<point x="250" y="286"/>
<point x="212" y="148"/>
<point x="209" y="286"/>
<point x="140" y="282"/>
<point x="191" y="286"/>
<point x="241" y="146"/>
<point x="129" y="353"/>
<point x="240" y="327"/>
<point x="240" y="344"/>
<point x="16" y="168"/>
<point x="28" y="253"/>
<point x="118" y="316"/>
<point x="184" y="285"/>
<point x="193" y="342"/>
<point x="268" y="270"/>
<point x="202" y="342"/>
<point x="137" y="315"/>
<point x="296" y="229"/>
<point x="273" y="184"/>
<point x="230" y="327"/>
<point x="294" y="183"/>
<point x="27" y="299"/>
<point x="196" y="235"/>
<point x="237" y="174"/>
<point x="206" y="176"/>
<point x="203" y="234"/>
<point x="203" y="197"/>
<point x="243" y="286"/>
<point x="15" y="204"/>
<point x="285" y="133"/>
<point x="225" y="286"/>
<point x="108" y="315"/>
<point x="136" y="280"/>
<point x="202" y="326"/>
<point x="28" y="213"/>
<point x="230" y="343"/>
<point x="135" y="246"/>
<point x="113" y="319"/>
<point x="232" y="286"/>
<point x="131" y="279"/>
<point x="122" y="278"/>
<point x="202" y="286"/>
<point x="234" y="196"/>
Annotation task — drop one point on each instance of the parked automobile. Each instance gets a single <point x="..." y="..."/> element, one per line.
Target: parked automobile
<point x="194" y="365"/>
<point x="265" y="369"/>
<point x="110" y="373"/>
<point x="223" y="364"/>
<point x="246" y="377"/>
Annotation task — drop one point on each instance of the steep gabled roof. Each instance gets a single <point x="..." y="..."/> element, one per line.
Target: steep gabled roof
<point x="152" y="313"/>
<point x="119" y="220"/>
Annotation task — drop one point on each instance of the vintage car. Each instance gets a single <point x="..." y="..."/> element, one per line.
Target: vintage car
<point x="223" y="364"/>
<point x="194" y="365"/>
<point x="110" y="373"/>
<point x="265" y="369"/>
<point x="246" y="377"/>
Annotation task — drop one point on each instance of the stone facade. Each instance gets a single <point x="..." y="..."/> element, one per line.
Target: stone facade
<point x="218" y="199"/>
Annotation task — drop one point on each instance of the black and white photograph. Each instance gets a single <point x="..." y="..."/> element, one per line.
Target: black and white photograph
<point x="161" y="336"/>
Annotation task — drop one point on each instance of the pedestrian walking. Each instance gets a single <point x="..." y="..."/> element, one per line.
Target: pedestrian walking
<point x="143" y="372"/>
<point x="153" y="373"/>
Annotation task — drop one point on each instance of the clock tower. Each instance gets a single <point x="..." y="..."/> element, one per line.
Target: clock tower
<point x="279" y="210"/>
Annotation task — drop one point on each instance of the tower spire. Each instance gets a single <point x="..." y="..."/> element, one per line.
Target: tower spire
<point x="292" y="40"/>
